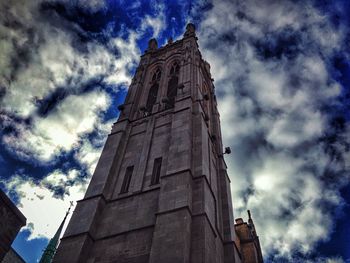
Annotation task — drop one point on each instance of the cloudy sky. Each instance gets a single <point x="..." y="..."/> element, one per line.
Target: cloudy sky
<point x="282" y="77"/>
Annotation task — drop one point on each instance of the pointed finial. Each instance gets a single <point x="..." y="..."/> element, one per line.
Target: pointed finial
<point x="50" y="250"/>
<point x="70" y="206"/>
<point x="249" y="215"/>
<point x="152" y="44"/>
<point x="190" y="30"/>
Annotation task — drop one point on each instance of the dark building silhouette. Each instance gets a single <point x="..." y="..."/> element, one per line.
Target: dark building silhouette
<point x="12" y="257"/>
<point x="160" y="191"/>
<point x="11" y="221"/>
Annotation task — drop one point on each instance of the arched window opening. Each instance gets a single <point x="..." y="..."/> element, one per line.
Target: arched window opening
<point x="127" y="179"/>
<point x="153" y="91"/>
<point x="172" y="85"/>
<point x="157" y="165"/>
<point x="152" y="97"/>
<point x="172" y="91"/>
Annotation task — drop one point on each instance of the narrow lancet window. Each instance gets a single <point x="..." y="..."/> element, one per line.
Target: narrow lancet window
<point x="152" y="97"/>
<point x="153" y="91"/>
<point x="157" y="165"/>
<point x="127" y="179"/>
<point x="172" y="85"/>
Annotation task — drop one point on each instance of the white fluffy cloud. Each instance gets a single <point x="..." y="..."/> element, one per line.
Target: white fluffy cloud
<point x="53" y="61"/>
<point x="54" y="92"/>
<point x="57" y="63"/>
<point x="271" y="96"/>
<point x="89" y="152"/>
<point x="45" y="211"/>
<point x="157" y="23"/>
<point x="61" y="130"/>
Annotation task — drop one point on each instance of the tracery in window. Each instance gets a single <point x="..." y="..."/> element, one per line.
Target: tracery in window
<point x="175" y="69"/>
<point x="157" y="75"/>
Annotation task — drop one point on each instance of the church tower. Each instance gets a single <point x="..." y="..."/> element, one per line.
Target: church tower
<point x="160" y="191"/>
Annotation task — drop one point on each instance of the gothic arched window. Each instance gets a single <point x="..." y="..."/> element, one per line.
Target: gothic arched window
<point x="153" y="91"/>
<point x="152" y="97"/>
<point x="172" y="85"/>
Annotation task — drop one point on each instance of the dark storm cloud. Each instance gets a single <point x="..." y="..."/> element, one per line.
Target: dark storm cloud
<point x="287" y="43"/>
<point x="22" y="51"/>
<point x="49" y="102"/>
<point x="283" y="115"/>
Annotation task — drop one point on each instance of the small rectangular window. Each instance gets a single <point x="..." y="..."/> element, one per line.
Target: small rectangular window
<point x="127" y="179"/>
<point x="157" y="165"/>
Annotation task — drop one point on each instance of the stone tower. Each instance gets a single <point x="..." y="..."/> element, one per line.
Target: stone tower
<point x="160" y="191"/>
<point x="247" y="241"/>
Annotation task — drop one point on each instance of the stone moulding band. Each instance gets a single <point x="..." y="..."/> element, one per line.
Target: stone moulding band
<point x="93" y="197"/>
<point x="110" y="236"/>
